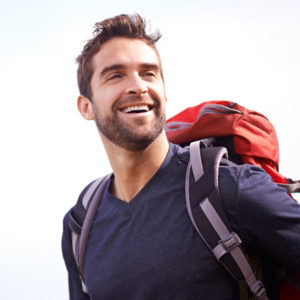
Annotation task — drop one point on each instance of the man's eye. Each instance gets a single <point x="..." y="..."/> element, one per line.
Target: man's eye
<point x="114" y="76"/>
<point x="149" y="74"/>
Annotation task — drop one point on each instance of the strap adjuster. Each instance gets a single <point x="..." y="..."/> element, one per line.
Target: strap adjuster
<point x="231" y="242"/>
<point x="258" y="290"/>
<point x="226" y="245"/>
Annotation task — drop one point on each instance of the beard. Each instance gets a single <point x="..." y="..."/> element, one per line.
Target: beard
<point x="124" y="135"/>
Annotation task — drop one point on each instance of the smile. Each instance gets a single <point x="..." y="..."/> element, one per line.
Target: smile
<point x="137" y="109"/>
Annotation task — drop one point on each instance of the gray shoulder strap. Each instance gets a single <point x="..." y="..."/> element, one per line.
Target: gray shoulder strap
<point x="292" y="187"/>
<point x="90" y="202"/>
<point x="209" y="218"/>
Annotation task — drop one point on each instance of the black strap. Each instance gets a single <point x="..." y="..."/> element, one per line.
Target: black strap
<point x="291" y="187"/>
<point x="209" y="218"/>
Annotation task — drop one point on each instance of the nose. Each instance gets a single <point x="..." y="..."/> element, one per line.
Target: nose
<point x="136" y="85"/>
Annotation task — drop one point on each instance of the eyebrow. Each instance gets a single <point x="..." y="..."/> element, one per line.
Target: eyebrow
<point x="149" y="66"/>
<point x="111" y="68"/>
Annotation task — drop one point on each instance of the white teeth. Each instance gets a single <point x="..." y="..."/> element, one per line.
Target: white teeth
<point x="142" y="108"/>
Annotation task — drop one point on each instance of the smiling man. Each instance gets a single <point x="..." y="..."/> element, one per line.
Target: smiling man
<point x="127" y="101"/>
<point x="142" y="244"/>
<point x="128" y="97"/>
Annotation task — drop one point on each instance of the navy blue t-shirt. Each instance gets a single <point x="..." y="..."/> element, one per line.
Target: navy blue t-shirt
<point x="149" y="249"/>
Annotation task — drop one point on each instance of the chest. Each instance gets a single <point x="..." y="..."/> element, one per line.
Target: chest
<point x="148" y="247"/>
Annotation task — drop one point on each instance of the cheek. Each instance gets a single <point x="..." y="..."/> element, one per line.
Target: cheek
<point x="103" y="104"/>
<point x="159" y="91"/>
<point x="107" y="96"/>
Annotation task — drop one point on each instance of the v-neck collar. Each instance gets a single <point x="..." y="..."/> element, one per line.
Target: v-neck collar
<point x="156" y="180"/>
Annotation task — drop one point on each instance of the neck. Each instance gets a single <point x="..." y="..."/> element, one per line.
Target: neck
<point x="133" y="169"/>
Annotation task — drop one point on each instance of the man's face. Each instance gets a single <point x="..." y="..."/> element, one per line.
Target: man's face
<point x="128" y="95"/>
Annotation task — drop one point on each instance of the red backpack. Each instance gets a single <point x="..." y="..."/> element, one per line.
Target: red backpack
<point x="249" y="138"/>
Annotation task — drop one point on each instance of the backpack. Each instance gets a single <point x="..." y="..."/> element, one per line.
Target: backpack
<point x="248" y="135"/>
<point x="240" y="127"/>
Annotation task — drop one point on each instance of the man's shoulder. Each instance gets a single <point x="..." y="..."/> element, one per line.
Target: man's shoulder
<point x="229" y="171"/>
<point x="247" y="188"/>
<point x="240" y="172"/>
<point x="78" y="203"/>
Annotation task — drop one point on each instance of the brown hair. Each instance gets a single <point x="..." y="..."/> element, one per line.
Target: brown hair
<point x="130" y="26"/>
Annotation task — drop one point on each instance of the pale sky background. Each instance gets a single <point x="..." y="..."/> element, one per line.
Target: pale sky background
<point x="245" y="51"/>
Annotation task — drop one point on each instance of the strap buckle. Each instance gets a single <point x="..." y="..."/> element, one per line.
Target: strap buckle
<point x="258" y="290"/>
<point x="230" y="242"/>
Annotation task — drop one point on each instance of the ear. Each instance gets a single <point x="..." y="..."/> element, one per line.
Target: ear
<point x="85" y="107"/>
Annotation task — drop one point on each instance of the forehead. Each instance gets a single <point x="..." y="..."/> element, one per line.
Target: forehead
<point x="125" y="51"/>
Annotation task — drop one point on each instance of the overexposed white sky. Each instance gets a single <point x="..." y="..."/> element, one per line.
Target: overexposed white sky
<point x="245" y="51"/>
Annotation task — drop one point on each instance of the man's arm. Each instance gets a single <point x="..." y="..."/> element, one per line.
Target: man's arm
<point x="265" y="217"/>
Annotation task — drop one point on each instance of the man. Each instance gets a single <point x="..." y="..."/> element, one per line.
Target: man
<point x="142" y="244"/>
